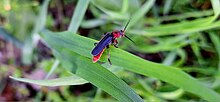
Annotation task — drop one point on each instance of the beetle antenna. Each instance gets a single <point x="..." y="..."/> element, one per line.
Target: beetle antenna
<point x="129" y="39"/>
<point x="125" y="29"/>
<point x="127" y="24"/>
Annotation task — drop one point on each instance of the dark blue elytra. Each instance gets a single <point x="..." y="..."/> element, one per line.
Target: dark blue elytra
<point x="105" y="41"/>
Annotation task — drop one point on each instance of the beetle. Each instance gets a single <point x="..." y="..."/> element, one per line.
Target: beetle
<point x="108" y="39"/>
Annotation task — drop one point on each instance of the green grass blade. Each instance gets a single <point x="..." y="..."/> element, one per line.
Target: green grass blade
<point x="216" y="8"/>
<point x="28" y="47"/>
<point x="125" y="6"/>
<point x="196" y="14"/>
<point x="164" y="44"/>
<point x="72" y="80"/>
<point x="170" y="58"/>
<point x="93" y="23"/>
<point x="41" y="20"/>
<point x="215" y="37"/>
<point x="180" y="28"/>
<point x="141" y="12"/>
<point x="39" y="25"/>
<point x="94" y="73"/>
<point x="171" y="95"/>
<point x="115" y="15"/>
<point x="216" y="41"/>
<point x="106" y="80"/>
<point x="82" y="46"/>
<point x="75" y="22"/>
<point x="7" y="36"/>
<point x="74" y="25"/>
<point x="167" y="6"/>
<point x="78" y="15"/>
<point x="166" y="73"/>
<point x="55" y="64"/>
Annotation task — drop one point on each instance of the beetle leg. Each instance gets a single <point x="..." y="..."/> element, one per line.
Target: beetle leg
<point x="115" y="43"/>
<point x="107" y="46"/>
<point x="95" y="44"/>
<point x="109" y="55"/>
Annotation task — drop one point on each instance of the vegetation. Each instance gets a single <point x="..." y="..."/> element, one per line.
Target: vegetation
<point x="48" y="43"/>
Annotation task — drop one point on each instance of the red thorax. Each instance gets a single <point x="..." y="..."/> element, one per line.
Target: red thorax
<point x="118" y="34"/>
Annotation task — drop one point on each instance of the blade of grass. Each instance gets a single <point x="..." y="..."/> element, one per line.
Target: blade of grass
<point x="97" y="75"/>
<point x="41" y="20"/>
<point x="180" y="28"/>
<point x="55" y="64"/>
<point x="196" y="14"/>
<point x="141" y="12"/>
<point x="28" y="48"/>
<point x="166" y="73"/>
<point x="109" y="82"/>
<point x="205" y="71"/>
<point x="7" y="36"/>
<point x="216" y="8"/>
<point x="164" y="44"/>
<point x="167" y="6"/>
<point x="78" y="15"/>
<point x="149" y="91"/>
<point x="39" y="25"/>
<point x="93" y="23"/>
<point x="111" y="9"/>
<point x="74" y="25"/>
<point x="72" y="80"/>
<point x="182" y="55"/>
<point x="111" y="5"/>
<point x="125" y="5"/>
<point x="170" y="58"/>
<point x="172" y="75"/>
<point x="195" y="47"/>
<point x="171" y="95"/>
<point x="216" y="41"/>
<point x="113" y="14"/>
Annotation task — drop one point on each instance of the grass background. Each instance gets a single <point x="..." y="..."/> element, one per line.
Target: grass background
<point x="176" y="57"/>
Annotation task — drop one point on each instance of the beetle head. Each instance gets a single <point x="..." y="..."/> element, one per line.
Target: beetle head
<point x="118" y="34"/>
<point x="121" y="33"/>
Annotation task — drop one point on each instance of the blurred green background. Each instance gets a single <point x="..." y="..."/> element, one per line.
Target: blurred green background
<point x="181" y="34"/>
